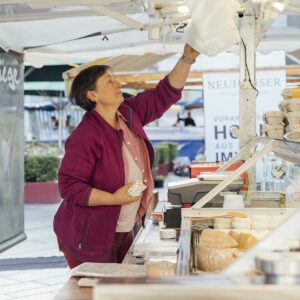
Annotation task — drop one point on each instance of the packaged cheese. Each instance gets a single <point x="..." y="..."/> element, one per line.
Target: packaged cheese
<point x="213" y="259"/>
<point x="216" y="239"/>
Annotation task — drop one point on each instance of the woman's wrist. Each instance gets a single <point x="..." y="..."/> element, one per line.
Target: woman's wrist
<point x="190" y="53"/>
<point x="187" y="59"/>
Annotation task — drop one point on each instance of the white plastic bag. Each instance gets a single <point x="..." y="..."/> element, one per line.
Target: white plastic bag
<point x="212" y="28"/>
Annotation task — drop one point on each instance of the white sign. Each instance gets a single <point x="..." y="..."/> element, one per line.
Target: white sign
<point x="221" y="108"/>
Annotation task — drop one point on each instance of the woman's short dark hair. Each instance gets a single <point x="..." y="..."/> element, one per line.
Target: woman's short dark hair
<point x="86" y="81"/>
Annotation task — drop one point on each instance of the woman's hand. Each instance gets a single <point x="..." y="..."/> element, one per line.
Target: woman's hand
<point x="190" y="52"/>
<point x="121" y="196"/>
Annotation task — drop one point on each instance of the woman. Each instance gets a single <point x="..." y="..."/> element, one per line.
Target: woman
<point x="104" y="155"/>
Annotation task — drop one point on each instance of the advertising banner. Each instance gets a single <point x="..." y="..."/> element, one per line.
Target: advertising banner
<point x="221" y="108"/>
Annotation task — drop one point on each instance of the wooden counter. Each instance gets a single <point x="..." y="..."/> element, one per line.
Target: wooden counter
<point x="71" y="291"/>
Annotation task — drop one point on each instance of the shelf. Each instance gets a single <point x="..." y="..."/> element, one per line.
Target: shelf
<point x="284" y="149"/>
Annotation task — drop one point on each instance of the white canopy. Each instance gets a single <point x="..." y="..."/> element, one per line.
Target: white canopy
<point x="62" y="31"/>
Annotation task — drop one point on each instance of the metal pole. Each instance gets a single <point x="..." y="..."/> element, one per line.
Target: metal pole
<point x="247" y="75"/>
<point x="248" y="31"/>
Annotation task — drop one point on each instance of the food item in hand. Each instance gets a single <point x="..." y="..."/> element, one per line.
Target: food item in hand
<point x="214" y="259"/>
<point x="216" y="239"/>
<point x="136" y="189"/>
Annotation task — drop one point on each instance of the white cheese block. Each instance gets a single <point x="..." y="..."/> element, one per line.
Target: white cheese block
<point x="167" y="233"/>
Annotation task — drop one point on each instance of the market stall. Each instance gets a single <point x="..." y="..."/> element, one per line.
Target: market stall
<point x="245" y="244"/>
<point x="247" y="249"/>
<point x="203" y="231"/>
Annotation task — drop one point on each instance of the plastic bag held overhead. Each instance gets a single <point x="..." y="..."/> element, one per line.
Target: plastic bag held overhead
<point x="213" y="27"/>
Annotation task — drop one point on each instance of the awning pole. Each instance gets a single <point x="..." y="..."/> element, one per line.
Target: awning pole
<point x="248" y="27"/>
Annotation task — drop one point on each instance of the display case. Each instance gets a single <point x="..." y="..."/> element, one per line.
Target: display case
<point x="266" y="221"/>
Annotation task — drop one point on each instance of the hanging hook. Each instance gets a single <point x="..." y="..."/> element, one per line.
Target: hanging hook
<point x="180" y="27"/>
<point x="105" y="38"/>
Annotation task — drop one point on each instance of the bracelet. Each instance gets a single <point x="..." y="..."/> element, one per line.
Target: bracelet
<point x="187" y="59"/>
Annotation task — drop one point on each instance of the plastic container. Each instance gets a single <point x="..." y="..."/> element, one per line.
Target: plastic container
<point x="233" y="201"/>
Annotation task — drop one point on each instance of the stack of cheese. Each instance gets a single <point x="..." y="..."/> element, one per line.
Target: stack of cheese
<point x="291" y="107"/>
<point x="273" y="124"/>
<point x="255" y="222"/>
<point x="217" y="249"/>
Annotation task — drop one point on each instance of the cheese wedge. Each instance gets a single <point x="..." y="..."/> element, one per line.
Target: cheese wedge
<point x="246" y="241"/>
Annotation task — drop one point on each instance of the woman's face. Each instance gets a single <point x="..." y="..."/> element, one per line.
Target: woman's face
<point x="107" y="92"/>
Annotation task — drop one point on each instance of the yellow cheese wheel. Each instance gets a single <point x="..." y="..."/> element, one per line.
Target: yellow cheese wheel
<point x="216" y="239"/>
<point x="246" y="241"/>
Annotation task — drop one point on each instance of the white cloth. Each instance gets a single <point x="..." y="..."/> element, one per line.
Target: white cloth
<point x="213" y="27"/>
<point x="128" y="212"/>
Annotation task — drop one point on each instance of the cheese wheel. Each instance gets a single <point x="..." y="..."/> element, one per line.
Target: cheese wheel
<point x="213" y="259"/>
<point x="222" y="223"/>
<point x="216" y="239"/>
<point x="246" y="241"/>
